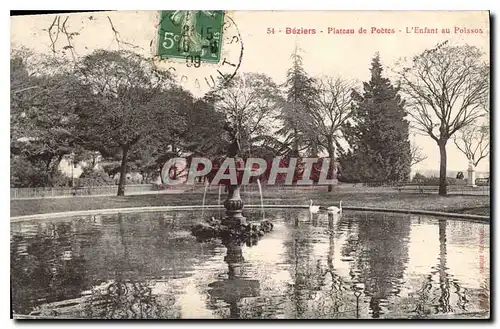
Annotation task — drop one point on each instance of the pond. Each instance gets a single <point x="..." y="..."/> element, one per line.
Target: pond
<point x="358" y="265"/>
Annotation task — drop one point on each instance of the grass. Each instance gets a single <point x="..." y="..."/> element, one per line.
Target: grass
<point x="360" y="197"/>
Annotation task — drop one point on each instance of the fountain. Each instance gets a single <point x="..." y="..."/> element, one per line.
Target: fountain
<point x="218" y="197"/>
<point x="204" y="197"/>
<point x="233" y="227"/>
<point x="261" y="198"/>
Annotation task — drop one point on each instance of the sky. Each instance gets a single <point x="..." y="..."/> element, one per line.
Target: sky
<point x="324" y="54"/>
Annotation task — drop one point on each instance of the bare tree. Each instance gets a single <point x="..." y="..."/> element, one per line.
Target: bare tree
<point x="248" y="103"/>
<point x="416" y="154"/>
<point x="474" y="142"/>
<point x="447" y="87"/>
<point x="333" y="108"/>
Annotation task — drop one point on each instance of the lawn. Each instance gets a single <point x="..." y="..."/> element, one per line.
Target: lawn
<point x="356" y="197"/>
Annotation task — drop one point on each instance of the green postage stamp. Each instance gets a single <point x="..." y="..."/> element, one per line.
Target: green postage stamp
<point x="193" y="35"/>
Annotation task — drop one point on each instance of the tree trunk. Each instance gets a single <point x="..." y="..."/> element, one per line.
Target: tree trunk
<point x="48" y="182"/>
<point x="94" y="160"/>
<point x="331" y="167"/>
<point x="52" y="167"/>
<point x="295" y="150"/>
<point x="330" y="187"/>
<point x="123" y="171"/>
<point x="442" y="167"/>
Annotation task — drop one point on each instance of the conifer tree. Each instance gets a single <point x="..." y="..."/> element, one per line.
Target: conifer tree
<point x="379" y="133"/>
<point x="300" y="97"/>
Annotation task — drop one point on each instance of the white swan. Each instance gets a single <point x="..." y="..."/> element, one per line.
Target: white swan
<point x="335" y="210"/>
<point x="313" y="209"/>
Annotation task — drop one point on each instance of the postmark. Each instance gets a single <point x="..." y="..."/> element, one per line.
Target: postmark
<point x="202" y="49"/>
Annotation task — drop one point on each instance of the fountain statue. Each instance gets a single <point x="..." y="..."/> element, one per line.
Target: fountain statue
<point x="233" y="203"/>
<point x="233" y="227"/>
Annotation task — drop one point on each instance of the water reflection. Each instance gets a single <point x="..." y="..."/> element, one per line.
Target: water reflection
<point x="380" y="253"/>
<point x="441" y="292"/>
<point x="319" y="291"/>
<point x="126" y="298"/>
<point x="48" y="267"/>
<point x="358" y="265"/>
<point x="236" y="286"/>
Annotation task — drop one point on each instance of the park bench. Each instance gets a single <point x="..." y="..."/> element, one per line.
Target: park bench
<point x="416" y="187"/>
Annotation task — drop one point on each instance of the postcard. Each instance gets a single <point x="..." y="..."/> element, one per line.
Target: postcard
<point x="212" y="164"/>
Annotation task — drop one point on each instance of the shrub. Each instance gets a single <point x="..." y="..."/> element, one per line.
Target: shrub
<point x="418" y="178"/>
<point x="25" y="173"/>
<point x="91" y="177"/>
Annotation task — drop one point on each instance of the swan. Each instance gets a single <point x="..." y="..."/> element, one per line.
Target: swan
<point x="313" y="209"/>
<point x="335" y="210"/>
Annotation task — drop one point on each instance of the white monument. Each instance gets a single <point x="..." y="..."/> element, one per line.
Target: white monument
<point x="471" y="177"/>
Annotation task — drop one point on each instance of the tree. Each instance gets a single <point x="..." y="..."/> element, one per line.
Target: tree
<point x="248" y="102"/>
<point x="332" y="109"/>
<point x="44" y="96"/>
<point x="474" y="142"/>
<point x="416" y="155"/>
<point x="204" y="133"/>
<point x="379" y="134"/>
<point x="132" y="102"/>
<point x="198" y="132"/>
<point x="300" y="98"/>
<point x="447" y="88"/>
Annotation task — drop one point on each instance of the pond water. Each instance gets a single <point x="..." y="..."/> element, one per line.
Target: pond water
<point x="358" y="265"/>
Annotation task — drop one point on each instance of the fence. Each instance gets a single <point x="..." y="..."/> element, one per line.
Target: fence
<point x="59" y="192"/>
<point x="451" y="188"/>
<point x="47" y="192"/>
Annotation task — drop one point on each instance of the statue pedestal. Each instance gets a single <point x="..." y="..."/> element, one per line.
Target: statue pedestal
<point x="234" y="207"/>
<point x="471" y="177"/>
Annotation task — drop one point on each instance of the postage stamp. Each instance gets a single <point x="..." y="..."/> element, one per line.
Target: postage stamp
<point x="202" y="49"/>
<point x="191" y="35"/>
